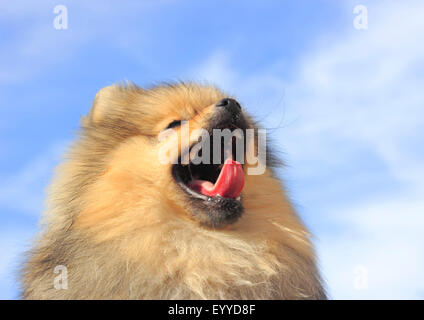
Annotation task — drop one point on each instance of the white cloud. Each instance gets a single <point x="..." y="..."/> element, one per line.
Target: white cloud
<point x="363" y="90"/>
<point x="22" y="191"/>
<point x="385" y="237"/>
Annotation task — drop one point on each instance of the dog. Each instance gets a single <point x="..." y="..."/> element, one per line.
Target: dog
<point x="120" y="224"/>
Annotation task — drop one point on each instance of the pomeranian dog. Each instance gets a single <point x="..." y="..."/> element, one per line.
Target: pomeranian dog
<point x="120" y="224"/>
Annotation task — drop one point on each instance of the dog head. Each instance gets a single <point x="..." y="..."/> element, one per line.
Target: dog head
<point x="181" y="147"/>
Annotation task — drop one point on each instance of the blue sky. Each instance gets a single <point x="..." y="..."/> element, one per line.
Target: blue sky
<point x="349" y="102"/>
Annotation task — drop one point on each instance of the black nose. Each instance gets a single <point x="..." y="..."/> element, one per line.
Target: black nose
<point x="230" y="104"/>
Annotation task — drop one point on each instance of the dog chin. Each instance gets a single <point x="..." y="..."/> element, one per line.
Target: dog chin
<point x="210" y="211"/>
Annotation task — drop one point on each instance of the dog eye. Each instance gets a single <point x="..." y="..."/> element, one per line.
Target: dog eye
<point x="174" y="124"/>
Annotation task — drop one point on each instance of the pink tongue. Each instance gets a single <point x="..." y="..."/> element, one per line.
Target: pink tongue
<point x="228" y="185"/>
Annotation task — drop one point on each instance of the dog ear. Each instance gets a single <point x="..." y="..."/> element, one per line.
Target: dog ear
<point x="105" y="101"/>
<point x="110" y="102"/>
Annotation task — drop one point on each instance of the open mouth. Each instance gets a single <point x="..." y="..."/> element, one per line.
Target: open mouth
<point x="210" y="181"/>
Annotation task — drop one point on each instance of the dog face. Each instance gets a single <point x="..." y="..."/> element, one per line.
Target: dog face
<point x="132" y="129"/>
<point x="213" y="186"/>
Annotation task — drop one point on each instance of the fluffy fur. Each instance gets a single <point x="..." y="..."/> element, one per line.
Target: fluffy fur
<point x="119" y="223"/>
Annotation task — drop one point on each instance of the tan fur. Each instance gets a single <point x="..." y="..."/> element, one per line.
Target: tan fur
<point x="119" y="223"/>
